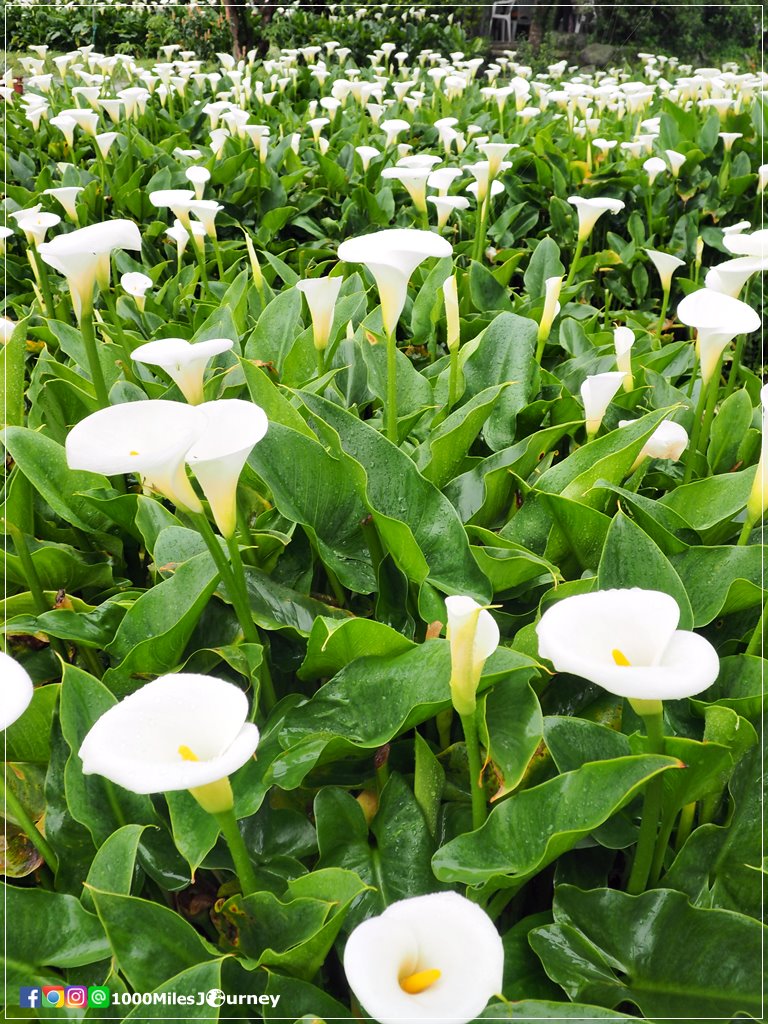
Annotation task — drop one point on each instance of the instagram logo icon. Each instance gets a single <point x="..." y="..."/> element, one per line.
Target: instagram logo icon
<point x="76" y="996"/>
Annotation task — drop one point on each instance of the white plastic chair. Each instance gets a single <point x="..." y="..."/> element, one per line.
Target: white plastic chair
<point x="501" y="16"/>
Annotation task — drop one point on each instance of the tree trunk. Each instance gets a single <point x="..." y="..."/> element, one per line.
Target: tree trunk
<point x="538" y="20"/>
<point x="240" y="28"/>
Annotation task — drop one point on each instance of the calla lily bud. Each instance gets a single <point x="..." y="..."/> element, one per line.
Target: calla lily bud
<point x="230" y="429"/>
<point x="452" y="323"/>
<point x="429" y="958"/>
<point x="184" y="731"/>
<point x="474" y="636"/>
<point x="623" y="340"/>
<point x="149" y="438"/>
<point x="258" y="277"/>
<point x="321" y="294"/>
<point x="596" y="394"/>
<point x="183" y="361"/>
<point x="16" y="690"/>
<point x="627" y="641"/>
<point x="552" y="288"/>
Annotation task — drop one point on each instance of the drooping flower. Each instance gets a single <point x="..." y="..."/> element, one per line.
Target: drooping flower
<point x="627" y="641"/>
<point x="668" y="441"/>
<point x="596" y="394"/>
<point x="184" y="731"/>
<point x="183" y="361"/>
<point x="230" y="429"/>
<point x="321" y="294"/>
<point x="473" y="635"/>
<point x="16" y="690"/>
<point x="149" y="438"/>
<point x="392" y="256"/>
<point x="429" y="958"/>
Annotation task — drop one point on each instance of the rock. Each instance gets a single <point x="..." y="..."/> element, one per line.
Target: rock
<point x="598" y="54"/>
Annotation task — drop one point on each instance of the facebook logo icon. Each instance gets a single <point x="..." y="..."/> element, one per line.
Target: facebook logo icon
<point x="29" y="998"/>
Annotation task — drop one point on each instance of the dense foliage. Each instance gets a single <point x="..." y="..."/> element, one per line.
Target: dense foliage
<point x="456" y="454"/>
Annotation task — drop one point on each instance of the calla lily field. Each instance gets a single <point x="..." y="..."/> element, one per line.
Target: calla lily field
<point x="385" y="473"/>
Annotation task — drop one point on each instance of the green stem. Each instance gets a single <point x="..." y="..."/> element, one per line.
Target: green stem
<point x="709" y="412"/>
<point x="45" y="284"/>
<point x="649" y="823"/>
<point x="479" y="809"/>
<point x="12" y="804"/>
<point x="94" y="363"/>
<point x="685" y="825"/>
<point x="453" y="377"/>
<point x="320" y="353"/>
<point x="693" y="444"/>
<point x="746" y="530"/>
<point x="219" y="263"/>
<point x="390" y="413"/>
<point x="33" y="582"/>
<point x="662" y="842"/>
<point x="733" y="375"/>
<point x="199" y="246"/>
<point x="243" y="612"/>
<point x="252" y="636"/>
<point x="576" y="257"/>
<point x="234" y="838"/>
<point x="756" y="640"/>
<point x="662" y="318"/>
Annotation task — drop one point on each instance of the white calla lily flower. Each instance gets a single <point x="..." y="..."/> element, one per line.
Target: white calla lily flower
<point x="67" y="198"/>
<point x="184" y="731"/>
<point x="590" y="210"/>
<point x="718" y="318"/>
<point x="627" y="641"/>
<point x="231" y="428"/>
<point x="183" y="361"/>
<point x="392" y="256"/>
<point x="321" y="294"/>
<point x="198" y="176"/>
<point x="136" y="285"/>
<point x="414" y="180"/>
<point x="429" y="958"/>
<point x="596" y="394"/>
<point x="623" y="340"/>
<point x="149" y="438"/>
<point x="446" y="205"/>
<point x="473" y="635"/>
<point x="366" y="154"/>
<point x="668" y="441"/>
<point x="666" y="265"/>
<point x="742" y="244"/>
<point x="16" y="690"/>
<point x="730" y="277"/>
<point x="552" y="287"/>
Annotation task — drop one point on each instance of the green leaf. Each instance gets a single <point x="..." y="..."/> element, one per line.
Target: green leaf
<point x="114" y="867"/>
<point x="728" y="430"/>
<point x="29" y="737"/>
<point x="415" y="521"/>
<point x="272" y="400"/>
<point x="721" y="580"/>
<point x="428" y="782"/>
<point x="51" y="929"/>
<point x="538" y="1009"/>
<point x="657" y="951"/>
<point x="297" y="1000"/>
<point x="152" y="636"/>
<point x="631" y="559"/>
<point x="276" y="331"/>
<point x="187" y="983"/>
<point x="503" y="354"/>
<point x="485" y="291"/>
<point x="394" y="862"/>
<point x="511" y="728"/>
<point x="536" y="826"/>
<point x="334" y="643"/>
<point x="194" y="830"/>
<point x="544" y="263"/>
<point x="44" y="464"/>
<point x="150" y="942"/>
<point x="711" y="501"/>
<point x="449" y="443"/>
<point x="295" y="933"/>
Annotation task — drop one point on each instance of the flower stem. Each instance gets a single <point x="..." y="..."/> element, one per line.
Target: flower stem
<point x="693" y="445"/>
<point x="390" y="413"/>
<point x="756" y="640"/>
<point x="685" y="825"/>
<point x="649" y="823"/>
<point x="662" y="318"/>
<point x="733" y="375"/>
<point x="33" y="581"/>
<point x="45" y="284"/>
<point x="746" y="530"/>
<point x="227" y="574"/>
<point x="238" y="573"/>
<point x="574" y="261"/>
<point x="479" y="809"/>
<point x="234" y="838"/>
<point x="12" y="804"/>
<point x="94" y="364"/>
